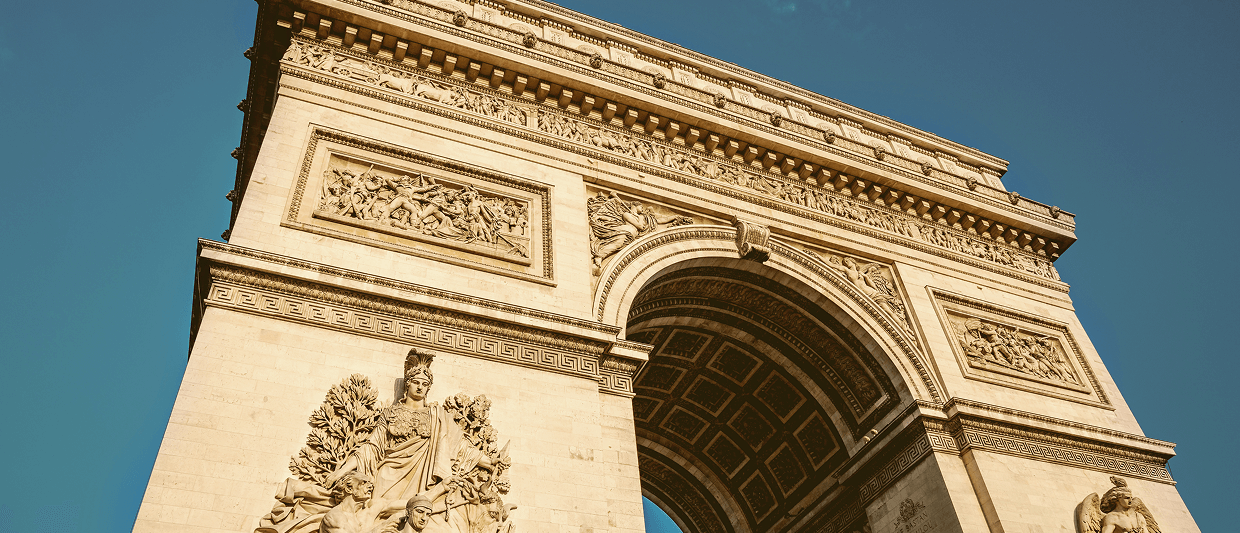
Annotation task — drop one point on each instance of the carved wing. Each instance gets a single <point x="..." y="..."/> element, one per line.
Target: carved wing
<point x="1150" y="524"/>
<point x="1089" y="515"/>
<point x="874" y="272"/>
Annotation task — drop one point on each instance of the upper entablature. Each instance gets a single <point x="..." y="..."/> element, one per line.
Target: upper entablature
<point x="699" y="91"/>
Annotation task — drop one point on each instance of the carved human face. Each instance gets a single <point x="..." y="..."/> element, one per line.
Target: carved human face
<point x="363" y="489"/>
<point x="1123" y="502"/>
<point x="417" y="387"/>
<point x="418" y="517"/>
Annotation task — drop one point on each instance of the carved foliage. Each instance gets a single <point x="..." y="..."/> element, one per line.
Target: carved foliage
<point x="344" y="421"/>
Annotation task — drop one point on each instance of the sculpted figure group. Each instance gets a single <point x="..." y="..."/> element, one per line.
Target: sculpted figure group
<point x="986" y="343"/>
<point x="414" y="466"/>
<point x="630" y="144"/>
<point x="1118" y="511"/>
<point x="421" y="204"/>
<point x="614" y="223"/>
<point x="872" y="281"/>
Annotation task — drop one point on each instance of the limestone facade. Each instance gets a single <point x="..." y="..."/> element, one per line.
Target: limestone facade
<point x="761" y="308"/>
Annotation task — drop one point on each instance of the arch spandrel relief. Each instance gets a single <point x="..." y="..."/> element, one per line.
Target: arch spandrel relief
<point x="411" y="467"/>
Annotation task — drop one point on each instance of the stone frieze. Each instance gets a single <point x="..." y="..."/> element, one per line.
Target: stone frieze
<point x="634" y="147"/>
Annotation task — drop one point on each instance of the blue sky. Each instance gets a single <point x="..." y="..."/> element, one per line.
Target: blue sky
<point x="1124" y="113"/>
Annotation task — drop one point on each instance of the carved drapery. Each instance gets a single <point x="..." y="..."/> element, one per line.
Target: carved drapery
<point x="615" y="222"/>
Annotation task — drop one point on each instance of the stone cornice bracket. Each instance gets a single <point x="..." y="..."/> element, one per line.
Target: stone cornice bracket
<point x="752" y="240"/>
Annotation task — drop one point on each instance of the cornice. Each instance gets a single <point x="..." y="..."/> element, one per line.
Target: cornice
<point x="299" y="268"/>
<point x="673" y="92"/>
<point x="237" y="288"/>
<point x="935" y="238"/>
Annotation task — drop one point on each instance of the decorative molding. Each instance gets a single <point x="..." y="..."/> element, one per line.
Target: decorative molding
<point x="320" y="305"/>
<point x="1018" y="350"/>
<point x="615" y="222"/>
<point x="757" y="201"/>
<point x="412" y="288"/>
<point x="702" y="100"/>
<point x="752" y="240"/>
<point x="904" y="339"/>
<point x="628" y="148"/>
<point x="1052" y="447"/>
<point x="335" y="145"/>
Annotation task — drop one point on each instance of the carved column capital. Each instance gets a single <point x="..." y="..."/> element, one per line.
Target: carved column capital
<point x="752" y="240"/>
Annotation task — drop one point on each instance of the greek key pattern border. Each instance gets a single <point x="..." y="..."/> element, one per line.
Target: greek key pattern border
<point x="985" y="441"/>
<point x="391" y="326"/>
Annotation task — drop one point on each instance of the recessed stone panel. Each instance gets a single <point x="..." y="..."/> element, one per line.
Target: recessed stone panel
<point x="752" y="426"/>
<point x="787" y="468"/>
<point x="399" y="198"/>
<point x="734" y="363"/>
<point x="708" y="394"/>
<point x="780" y="396"/>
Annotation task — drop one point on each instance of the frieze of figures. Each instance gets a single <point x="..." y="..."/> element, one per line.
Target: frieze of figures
<point x="420" y="206"/>
<point x="991" y="345"/>
<point x="647" y="149"/>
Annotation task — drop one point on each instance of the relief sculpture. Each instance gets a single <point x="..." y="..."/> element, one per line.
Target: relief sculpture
<point x="988" y="344"/>
<point x="614" y="223"/>
<point x="1118" y="511"/>
<point x="875" y="282"/>
<point x="819" y="199"/>
<point x="409" y="467"/>
<point x="423" y="205"/>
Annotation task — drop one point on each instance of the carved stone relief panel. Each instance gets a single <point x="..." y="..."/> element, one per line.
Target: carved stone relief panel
<point x="400" y="199"/>
<point x="617" y="220"/>
<point x="396" y="468"/>
<point x="876" y="281"/>
<point x="1022" y="351"/>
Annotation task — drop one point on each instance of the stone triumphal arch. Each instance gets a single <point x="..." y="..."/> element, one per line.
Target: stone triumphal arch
<point x="499" y="265"/>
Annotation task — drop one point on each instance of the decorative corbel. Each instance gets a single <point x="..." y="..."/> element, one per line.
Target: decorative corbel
<point x="752" y="240"/>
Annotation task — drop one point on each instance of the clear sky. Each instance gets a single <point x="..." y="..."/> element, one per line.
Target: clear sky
<point x="1124" y="114"/>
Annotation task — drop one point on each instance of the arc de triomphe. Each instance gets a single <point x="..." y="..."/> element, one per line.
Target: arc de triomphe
<point x="622" y="268"/>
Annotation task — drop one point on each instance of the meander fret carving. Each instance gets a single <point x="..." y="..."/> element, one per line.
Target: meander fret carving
<point x="987" y="343"/>
<point x="649" y="150"/>
<point x="422" y="205"/>
<point x="1118" y="511"/>
<point x="615" y="222"/>
<point x="377" y="317"/>
<point x="875" y="281"/>
<point x="410" y="467"/>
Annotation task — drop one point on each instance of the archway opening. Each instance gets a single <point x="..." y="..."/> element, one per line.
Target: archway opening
<point x="754" y="393"/>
